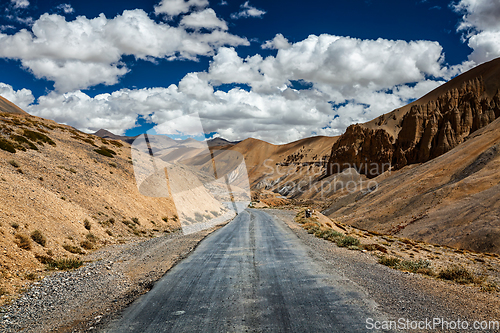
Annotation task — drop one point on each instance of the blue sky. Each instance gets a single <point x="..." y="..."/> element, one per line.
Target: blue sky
<point x="278" y="71"/>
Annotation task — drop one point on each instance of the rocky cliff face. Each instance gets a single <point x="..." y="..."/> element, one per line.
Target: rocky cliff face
<point x="427" y="131"/>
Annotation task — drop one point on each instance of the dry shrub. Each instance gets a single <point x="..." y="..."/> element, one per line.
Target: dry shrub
<point x="38" y="237"/>
<point x="23" y="242"/>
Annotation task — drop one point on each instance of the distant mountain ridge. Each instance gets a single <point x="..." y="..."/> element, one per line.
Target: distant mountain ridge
<point x="215" y="142"/>
<point x="105" y="134"/>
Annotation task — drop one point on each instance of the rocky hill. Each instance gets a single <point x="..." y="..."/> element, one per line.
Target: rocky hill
<point x="426" y="129"/>
<point x="450" y="200"/>
<point x="64" y="192"/>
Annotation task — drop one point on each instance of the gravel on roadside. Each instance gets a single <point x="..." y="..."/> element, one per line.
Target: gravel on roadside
<point x="400" y="294"/>
<point x="114" y="276"/>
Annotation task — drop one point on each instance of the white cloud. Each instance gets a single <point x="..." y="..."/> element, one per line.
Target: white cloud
<point x="485" y="45"/>
<point x="66" y="8"/>
<point x="479" y="14"/>
<point x="346" y="80"/>
<point x="278" y="42"/>
<point x="6" y="27"/>
<point x="481" y="25"/>
<point x="177" y="7"/>
<point x="20" y="3"/>
<point x="21" y="98"/>
<point x="338" y="66"/>
<point x="205" y="19"/>
<point x="72" y="75"/>
<point x="85" y="52"/>
<point x="246" y="10"/>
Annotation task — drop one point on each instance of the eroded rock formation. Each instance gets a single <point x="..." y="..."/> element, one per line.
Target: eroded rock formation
<point x="427" y="131"/>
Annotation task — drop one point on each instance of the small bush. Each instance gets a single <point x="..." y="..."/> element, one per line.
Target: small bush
<point x="347" y="241"/>
<point x="43" y="259"/>
<point x="116" y="143"/>
<point x="165" y="219"/>
<point x="414" y="266"/>
<point x="135" y="220"/>
<point x="14" y="225"/>
<point x="109" y="232"/>
<point x="458" y="274"/>
<point x="31" y="276"/>
<point x="14" y="163"/>
<point x="389" y="261"/>
<point x="375" y="247"/>
<point x="7" y="146"/>
<point x="38" y="137"/>
<point x="86" y="224"/>
<point x="91" y="238"/>
<point x="105" y="151"/>
<point x="23" y="242"/>
<point x="419" y="266"/>
<point x="73" y="249"/>
<point x="129" y="224"/>
<point x="38" y="237"/>
<point x="113" y="164"/>
<point x="332" y="235"/>
<point x="87" y="245"/>
<point x="108" y="222"/>
<point x="64" y="264"/>
<point x="22" y="139"/>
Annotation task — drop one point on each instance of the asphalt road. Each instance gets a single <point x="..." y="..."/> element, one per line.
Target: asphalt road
<point x="253" y="275"/>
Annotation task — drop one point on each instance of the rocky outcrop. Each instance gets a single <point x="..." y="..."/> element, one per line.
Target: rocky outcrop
<point x="427" y="131"/>
<point x="368" y="151"/>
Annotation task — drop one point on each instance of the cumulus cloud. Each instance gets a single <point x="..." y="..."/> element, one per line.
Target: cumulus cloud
<point x="278" y="42"/>
<point x="21" y="98"/>
<point x="205" y="19"/>
<point x="85" y="52"/>
<point x="334" y="65"/>
<point x="20" y="3"/>
<point x="246" y="10"/>
<point x="344" y="80"/>
<point x="66" y="8"/>
<point x="177" y="7"/>
<point x="478" y="14"/>
<point x="481" y="26"/>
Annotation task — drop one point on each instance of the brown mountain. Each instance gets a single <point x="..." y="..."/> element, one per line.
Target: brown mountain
<point x="53" y="178"/>
<point x="452" y="199"/>
<point x="9" y="107"/>
<point x="424" y="129"/>
<point x="102" y="133"/>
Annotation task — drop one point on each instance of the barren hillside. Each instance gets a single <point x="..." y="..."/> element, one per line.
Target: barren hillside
<point x="64" y="192"/>
<point x="452" y="199"/>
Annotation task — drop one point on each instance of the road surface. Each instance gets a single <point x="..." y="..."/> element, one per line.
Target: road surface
<point x="253" y="275"/>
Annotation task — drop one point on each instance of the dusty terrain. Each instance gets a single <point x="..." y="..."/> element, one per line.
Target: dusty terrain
<point x="451" y="200"/>
<point x="77" y="300"/>
<point x="73" y="196"/>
